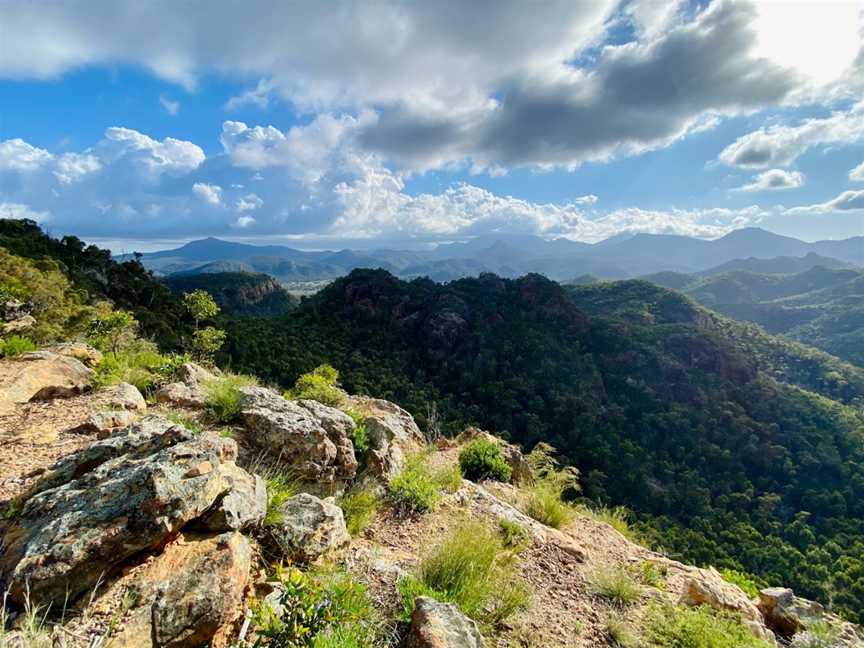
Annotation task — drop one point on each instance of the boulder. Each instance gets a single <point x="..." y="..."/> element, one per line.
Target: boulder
<point x="124" y="396"/>
<point x="189" y="391"/>
<point x="18" y="325"/>
<point x="441" y="625"/>
<point x="708" y="587"/>
<point x="98" y="507"/>
<point x="42" y="375"/>
<point x="243" y="506"/>
<point x="791" y="617"/>
<point x="314" y="439"/>
<point x="104" y="424"/>
<point x="393" y="434"/>
<point x="189" y="595"/>
<point x="309" y="528"/>
<point x="78" y="350"/>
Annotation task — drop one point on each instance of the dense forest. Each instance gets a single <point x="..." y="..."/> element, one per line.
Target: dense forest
<point x="731" y="447"/>
<point x="238" y="293"/>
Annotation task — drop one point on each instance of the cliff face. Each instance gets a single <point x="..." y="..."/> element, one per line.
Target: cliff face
<point x="238" y="293"/>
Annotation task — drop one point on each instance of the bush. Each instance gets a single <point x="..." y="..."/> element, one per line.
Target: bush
<point x="418" y="487"/>
<point x="543" y="503"/>
<point x="670" y="626"/>
<point x="222" y="395"/>
<point x="15" y="345"/>
<point x="482" y="459"/>
<point x="470" y="568"/>
<point x="112" y="330"/>
<point x="748" y="584"/>
<point x="359" y="507"/>
<point x="207" y="341"/>
<point x="615" y="585"/>
<point x="320" y="385"/>
<point x="140" y="364"/>
<point x="513" y="534"/>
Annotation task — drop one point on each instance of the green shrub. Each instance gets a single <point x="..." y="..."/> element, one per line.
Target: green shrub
<point x="482" y="459"/>
<point x="513" y="534"/>
<point x="359" y="507"/>
<point x="614" y="585"/>
<point x="543" y="503"/>
<point x="112" y="330"/>
<point x="320" y="385"/>
<point x="651" y="574"/>
<point x="281" y="486"/>
<point x="139" y="364"/>
<point x="470" y="568"/>
<point x="206" y="342"/>
<point x="417" y="489"/>
<point x="319" y="610"/>
<point x="360" y="436"/>
<point x="748" y="584"/>
<point x="671" y="626"/>
<point x="15" y="345"/>
<point x="222" y="395"/>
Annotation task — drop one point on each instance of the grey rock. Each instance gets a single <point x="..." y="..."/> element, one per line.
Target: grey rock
<point x="243" y="506"/>
<point x="393" y="435"/>
<point x="441" y="625"/>
<point x="792" y="617"/>
<point x="181" y="395"/>
<point x="104" y="424"/>
<point x="314" y="439"/>
<point x="309" y="528"/>
<point x="124" y="396"/>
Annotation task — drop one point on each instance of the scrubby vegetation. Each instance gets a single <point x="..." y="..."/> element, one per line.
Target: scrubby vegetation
<point x="320" y="384"/>
<point x="483" y="459"/>
<point x="417" y="488"/>
<point x="749" y="585"/>
<point x="471" y="568"/>
<point x="223" y="395"/>
<point x="615" y="585"/>
<point x="670" y="626"/>
<point x="359" y="506"/>
<point x="15" y="345"/>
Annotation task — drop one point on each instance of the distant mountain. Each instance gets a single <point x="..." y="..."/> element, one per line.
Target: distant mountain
<point x="821" y="306"/>
<point x="777" y="265"/>
<point x="238" y="293"/>
<point x="508" y="256"/>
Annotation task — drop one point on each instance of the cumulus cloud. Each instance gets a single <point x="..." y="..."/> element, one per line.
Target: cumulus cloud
<point x="588" y="199"/>
<point x="774" y="180"/>
<point x="857" y="173"/>
<point x="18" y="155"/>
<point x="19" y="211"/>
<point x="249" y="202"/>
<point x="207" y="192"/>
<point x="846" y="201"/>
<point x="780" y="145"/>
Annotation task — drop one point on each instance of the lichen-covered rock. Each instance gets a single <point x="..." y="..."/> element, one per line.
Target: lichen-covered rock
<point x="309" y="528"/>
<point x="18" y="325"/>
<point x="441" y="625"/>
<point x="244" y="505"/>
<point x="42" y="375"/>
<point x="314" y="439"/>
<point x="791" y="617"/>
<point x="708" y="587"/>
<point x="104" y="424"/>
<point x="124" y="396"/>
<point x="78" y="350"/>
<point x="393" y="434"/>
<point x="189" y="391"/>
<point x="98" y="507"/>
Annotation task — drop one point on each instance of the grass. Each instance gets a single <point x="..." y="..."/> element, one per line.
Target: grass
<point x="359" y="506"/>
<point x="651" y="574"/>
<point x="281" y="486"/>
<point x="222" y="395"/>
<point x="417" y="489"/>
<point x="471" y="568"/>
<point x="620" y="633"/>
<point x="15" y="345"/>
<point x="671" y="626"/>
<point x="617" y="517"/>
<point x="748" y="584"/>
<point x="140" y="364"/>
<point x="513" y="534"/>
<point x="543" y="503"/>
<point x="185" y="420"/>
<point x="614" y="585"/>
<point x="33" y="627"/>
<point x="483" y="459"/>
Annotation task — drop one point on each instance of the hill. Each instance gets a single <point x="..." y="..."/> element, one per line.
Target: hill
<point x="238" y="293"/>
<point x="732" y="446"/>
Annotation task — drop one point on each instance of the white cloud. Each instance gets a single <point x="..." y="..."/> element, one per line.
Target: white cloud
<point x="207" y="192"/>
<point x="18" y="155"/>
<point x="244" y="222"/>
<point x="588" y="199"/>
<point x="249" y="202"/>
<point x="774" y="180"/>
<point x="781" y="145"/>
<point x="72" y="167"/>
<point x="150" y="157"/>
<point x="857" y="173"/>
<point x="846" y="201"/>
<point x="171" y="107"/>
<point x="19" y="211"/>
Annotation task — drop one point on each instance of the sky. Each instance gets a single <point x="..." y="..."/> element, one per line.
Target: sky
<point x="357" y="124"/>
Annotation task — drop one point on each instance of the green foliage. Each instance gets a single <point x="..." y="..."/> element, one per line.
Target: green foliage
<point x="651" y="574"/>
<point x="139" y="364"/>
<point x="222" y="395"/>
<point x="282" y="485"/>
<point x="417" y="489"/>
<point x="15" y="345"/>
<point x="513" y="534"/>
<point x="320" y="385"/>
<point x="200" y="306"/>
<point x="543" y="503"/>
<point x="669" y="626"/>
<point x="470" y="568"/>
<point x="322" y="610"/>
<point x="185" y="420"/>
<point x="207" y="341"/>
<point x="360" y="436"/>
<point x="238" y="293"/>
<point x="620" y="633"/>
<point x="615" y="585"/>
<point x="112" y="330"/>
<point x="749" y="585"/>
<point x="359" y="506"/>
<point x="482" y="459"/>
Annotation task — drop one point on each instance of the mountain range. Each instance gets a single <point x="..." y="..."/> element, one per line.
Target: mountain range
<point x="506" y="255"/>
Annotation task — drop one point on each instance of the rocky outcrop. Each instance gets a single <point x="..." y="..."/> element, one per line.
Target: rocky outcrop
<point x="78" y="350"/>
<point x="17" y="325"/>
<point x="42" y="375"/>
<point x="189" y="391"/>
<point x="243" y="506"/>
<point x="104" y="424"/>
<point x="309" y="527"/>
<point x="521" y="472"/>
<point x="393" y="435"/>
<point x="791" y="617"/>
<point x="707" y="587"/>
<point x="98" y="507"/>
<point x="441" y="625"/>
<point x="124" y="396"/>
<point x="314" y="439"/>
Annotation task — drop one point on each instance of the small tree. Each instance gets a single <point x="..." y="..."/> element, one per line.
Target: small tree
<point x="207" y="341"/>
<point x="111" y="330"/>
<point x="200" y="305"/>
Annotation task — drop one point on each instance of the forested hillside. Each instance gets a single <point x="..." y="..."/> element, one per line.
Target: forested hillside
<point x="733" y="447"/>
<point x="238" y="293"/>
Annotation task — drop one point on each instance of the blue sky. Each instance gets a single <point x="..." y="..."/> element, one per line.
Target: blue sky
<point x="351" y="123"/>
